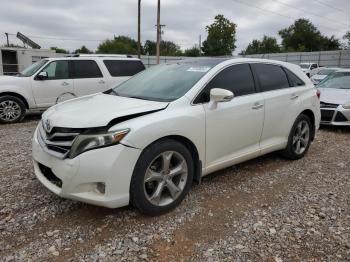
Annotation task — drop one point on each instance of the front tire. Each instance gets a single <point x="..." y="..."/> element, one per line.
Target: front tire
<point x="162" y="177"/>
<point x="12" y="109"/>
<point x="299" y="139"/>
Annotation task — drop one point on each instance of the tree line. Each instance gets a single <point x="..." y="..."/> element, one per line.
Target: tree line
<point x="301" y="36"/>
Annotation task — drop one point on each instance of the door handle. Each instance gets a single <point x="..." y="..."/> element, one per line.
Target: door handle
<point x="294" y="96"/>
<point x="65" y="83"/>
<point x="101" y="82"/>
<point x="257" y="106"/>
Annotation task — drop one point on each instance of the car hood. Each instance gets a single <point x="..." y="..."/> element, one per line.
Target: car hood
<point x="12" y="80"/>
<point x="334" y="95"/>
<point x="97" y="110"/>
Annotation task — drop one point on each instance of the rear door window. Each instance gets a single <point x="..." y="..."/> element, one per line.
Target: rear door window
<point x="86" y="69"/>
<point x="271" y="77"/>
<point x="123" y="67"/>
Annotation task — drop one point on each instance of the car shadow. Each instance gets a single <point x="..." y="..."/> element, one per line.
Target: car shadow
<point x="337" y="129"/>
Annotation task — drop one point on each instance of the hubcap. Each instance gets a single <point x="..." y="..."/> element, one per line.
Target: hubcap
<point x="301" y="137"/>
<point x="165" y="178"/>
<point x="9" y="110"/>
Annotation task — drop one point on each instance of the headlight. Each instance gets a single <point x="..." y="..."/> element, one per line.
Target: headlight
<point x="83" y="143"/>
<point x="347" y="105"/>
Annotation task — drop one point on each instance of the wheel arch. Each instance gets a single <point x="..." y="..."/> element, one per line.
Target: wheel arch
<point x="311" y="115"/>
<point x="193" y="150"/>
<point x="16" y="95"/>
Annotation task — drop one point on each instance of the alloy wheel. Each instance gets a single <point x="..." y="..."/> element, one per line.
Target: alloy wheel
<point x="301" y="137"/>
<point x="9" y="110"/>
<point x="165" y="178"/>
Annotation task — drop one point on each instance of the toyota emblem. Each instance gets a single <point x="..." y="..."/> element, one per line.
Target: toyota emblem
<point x="47" y="125"/>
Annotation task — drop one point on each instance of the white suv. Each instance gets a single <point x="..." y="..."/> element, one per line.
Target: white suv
<point x="54" y="80"/>
<point x="148" y="139"/>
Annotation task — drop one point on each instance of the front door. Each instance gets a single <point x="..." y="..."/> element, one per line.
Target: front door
<point x="233" y="128"/>
<point x="58" y="86"/>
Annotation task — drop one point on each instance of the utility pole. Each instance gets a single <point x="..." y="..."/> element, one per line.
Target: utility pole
<point x="7" y="38"/>
<point x="139" y="30"/>
<point x="158" y="31"/>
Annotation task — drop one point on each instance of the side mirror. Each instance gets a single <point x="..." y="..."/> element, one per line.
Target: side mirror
<point x="218" y="95"/>
<point x="42" y="76"/>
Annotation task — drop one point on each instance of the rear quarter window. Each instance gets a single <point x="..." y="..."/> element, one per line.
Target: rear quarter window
<point x="123" y="67"/>
<point x="293" y="79"/>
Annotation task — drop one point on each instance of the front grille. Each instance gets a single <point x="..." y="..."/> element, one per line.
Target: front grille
<point x="340" y="117"/>
<point x="328" y="105"/>
<point x="327" y="115"/>
<point x="58" y="142"/>
<point x="49" y="175"/>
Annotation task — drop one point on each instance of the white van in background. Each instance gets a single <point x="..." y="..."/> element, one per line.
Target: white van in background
<point x="53" y="80"/>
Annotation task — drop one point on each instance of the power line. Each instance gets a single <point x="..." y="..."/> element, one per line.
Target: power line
<point x="311" y="13"/>
<point x="279" y="14"/>
<point x="331" y="6"/>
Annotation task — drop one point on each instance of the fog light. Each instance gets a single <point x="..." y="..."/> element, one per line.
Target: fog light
<point x="101" y="187"/>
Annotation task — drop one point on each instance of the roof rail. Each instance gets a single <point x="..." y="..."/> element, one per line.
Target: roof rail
<point x="101" y="55"/>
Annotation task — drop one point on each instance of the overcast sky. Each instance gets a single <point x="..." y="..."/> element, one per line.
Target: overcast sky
<point x="85" y="21"/>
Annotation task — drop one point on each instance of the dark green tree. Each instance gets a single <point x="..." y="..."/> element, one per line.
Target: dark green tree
<point x="167" y="48"/>
<point x="193" y="52"/>
<point x="119" y="45"/>
<point x="59" y="50"/>
<point x="305" y="37"/>
<point x="346" y="37"/>
<point x="266" y="45"/>
<point x="83" y="50"/>
<point x="221" y="37"/>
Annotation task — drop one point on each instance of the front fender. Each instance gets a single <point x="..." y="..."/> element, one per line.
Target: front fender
<point x="24" y="92"/>
<point x="188" y="122"/>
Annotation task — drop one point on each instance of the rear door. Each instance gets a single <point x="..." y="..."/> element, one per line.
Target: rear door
<point x="281" y="95"/>
<point x="88" y="78"/>
<point x="57" y="87"/>
<point x="233" y="128"/>
<point x="122" y="69"/>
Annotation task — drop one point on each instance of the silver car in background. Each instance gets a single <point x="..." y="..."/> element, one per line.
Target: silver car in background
<point x="322" y="74"/>
<point x="335" y="98"/>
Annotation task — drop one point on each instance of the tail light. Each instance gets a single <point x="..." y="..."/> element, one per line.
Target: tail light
<point x="318" y="93"/>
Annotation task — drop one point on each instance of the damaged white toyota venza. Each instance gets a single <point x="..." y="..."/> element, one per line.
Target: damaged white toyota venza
<point x="146" y="141"/>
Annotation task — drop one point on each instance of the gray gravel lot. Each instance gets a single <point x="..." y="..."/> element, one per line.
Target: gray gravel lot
<point x="267" y="209"/>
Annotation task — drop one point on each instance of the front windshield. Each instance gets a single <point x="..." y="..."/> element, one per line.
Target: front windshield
<point x="31" y="70"/>
<point x="304" y="66"/>
<point x="326" y="72"/>
<point x="339" y="80"/>
<point x="166" y="82"/>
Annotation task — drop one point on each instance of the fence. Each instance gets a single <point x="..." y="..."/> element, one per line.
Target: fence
<point x="152" y="60"/>
<point x="339" y="58"/>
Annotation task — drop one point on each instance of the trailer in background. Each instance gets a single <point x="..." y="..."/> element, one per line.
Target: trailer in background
<point x="15" y="59"/>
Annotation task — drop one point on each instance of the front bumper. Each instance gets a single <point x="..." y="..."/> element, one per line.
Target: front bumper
<point x="99" y="177"/>
<point x="336" y="116"/>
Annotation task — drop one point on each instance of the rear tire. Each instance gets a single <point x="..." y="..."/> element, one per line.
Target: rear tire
<point x="299" y="139"/>
<point x="162" y="177"/>
<point x="12" y="109"/>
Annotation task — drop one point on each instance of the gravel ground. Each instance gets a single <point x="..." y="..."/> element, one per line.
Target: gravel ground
<point x="267" y="209"/>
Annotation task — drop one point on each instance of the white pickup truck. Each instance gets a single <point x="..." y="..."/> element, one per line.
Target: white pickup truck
<point x="55" y="80"/>
<point x="310" y="69"/>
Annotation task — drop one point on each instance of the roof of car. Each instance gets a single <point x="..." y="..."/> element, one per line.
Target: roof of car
<point x="343" y="70"/>
<point x="216" y="61"/>
<point x="97" y="56"/>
